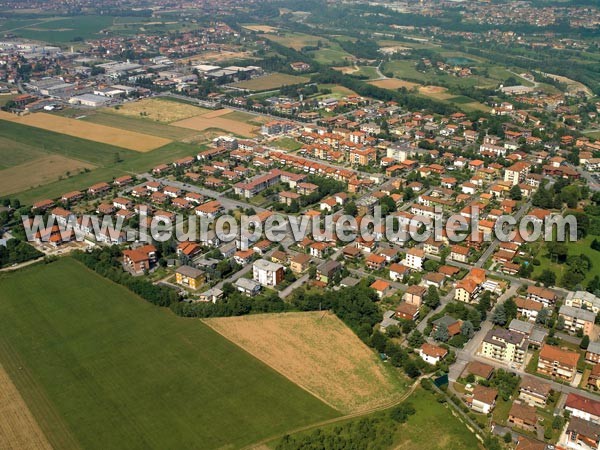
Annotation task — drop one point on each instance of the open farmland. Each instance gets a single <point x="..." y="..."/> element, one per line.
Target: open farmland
<point x="393" y="84"/>
<point x="261" y="28"/>
<point x="132" y="123"/>
<point x="271" y="81"/>
<point x="38" y="172"/>
<point x="219" y="120"/>
<point x="18" y="428"/>
<point x="104" y="369"/>
<point x="93" y="132"/>
<point x="295" y="40"/>
<point x="159" y="110"/>
<point x="318" y="352"/>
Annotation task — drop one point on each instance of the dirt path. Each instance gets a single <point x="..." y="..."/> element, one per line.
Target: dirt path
<point x="263" y="444"/>
<point x="18" y="428"/>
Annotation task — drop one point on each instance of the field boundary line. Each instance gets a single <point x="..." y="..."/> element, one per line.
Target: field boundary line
<point x="354" y="415"/>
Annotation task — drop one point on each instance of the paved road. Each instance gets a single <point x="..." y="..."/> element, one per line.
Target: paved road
<point x="295" y="285"/>
<point x="228" y="203"/>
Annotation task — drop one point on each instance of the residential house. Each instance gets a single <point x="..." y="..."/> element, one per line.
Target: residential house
<point x="594" y="378"/>
<point x="484" y="399"/>
<point x="522" y="416"/>
<point x="300" y="263"/>
<point x="543" y="295"/>
<point x="583" y="407"/>
<point x="432" y="354"/>
<point x="534" y="391"/>
<point x="414" y="295"/>
<point x="327" y="270"/>
<point x="449" y="323"/>
<point x="582" y="435"/>
<point x="479" y="370"/>
<point x="247" y="287"/>
<point x="404" y="310"/>
<point x="382" y="288"/>
<point x="398" y="272"/>
<point x="592" y="355"/>
<point x="528" y="309"/>
<point x="414" y="259"/>
<point x="189" y="276"/>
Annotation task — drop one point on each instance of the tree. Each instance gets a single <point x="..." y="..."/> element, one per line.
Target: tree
<point x="441" y="334"/>
<point x="585" y="342"/>
<point x="499" y="316"/>
<point x="351" y="209"/>
<point x="510" y="307"/>
<point x="542" y="316"/>
<point x="467" y="329"/>
<point x="515" y="193"/>
<point x="415" y="339"/>
<point x="547" y="278"/>
<point x="432" y="298"/>
<point x="560" y="323"/>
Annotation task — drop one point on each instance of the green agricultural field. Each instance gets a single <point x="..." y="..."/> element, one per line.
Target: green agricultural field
<point x="100" y="368"/>
<point x="34" y="143"/>
<point x="61" y="30"/>
<point x="271" y="81"/>
<point x="140" y="125"/>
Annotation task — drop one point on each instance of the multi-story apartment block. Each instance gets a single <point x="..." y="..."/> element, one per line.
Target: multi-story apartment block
<point x="504" y="345"/>
<point x="558" y="363"/>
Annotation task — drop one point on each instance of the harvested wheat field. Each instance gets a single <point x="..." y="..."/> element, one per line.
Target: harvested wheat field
<point x="18" y="427"/>
<point x="393" y="83"/>
<point x="39" y="171"/>
<point x="347" y="69"/>
<point x="90" y="131"/>
<point x="319" y="353"/>
<point x="214" y="119"/>
<point x="159" y="110"/>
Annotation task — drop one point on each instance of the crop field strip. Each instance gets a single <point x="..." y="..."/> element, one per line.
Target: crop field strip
<point x="104" y="369"/>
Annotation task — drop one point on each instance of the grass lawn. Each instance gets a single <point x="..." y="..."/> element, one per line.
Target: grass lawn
<point x="287" y="143"/>
<point x="433" y="427"/>
<point x="367" y="71"/>
<point x="575" y="248"/>
<point x="500" y="412"/>
<point x="101" y="368"/>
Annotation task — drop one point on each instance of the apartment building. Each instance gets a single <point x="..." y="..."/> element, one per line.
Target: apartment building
<point x="267" y="273"/>
<point x="557" y="363"/>
<point x="577" y="319"/>
<point x="583" y="299"/>
<point x="504" y="345"/>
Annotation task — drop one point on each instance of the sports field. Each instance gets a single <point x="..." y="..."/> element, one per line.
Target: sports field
<point x="99" y="133"/>
<point x="271" y="81"/>
<point x="100" y="368"/>
<point x="318" y="352"/>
